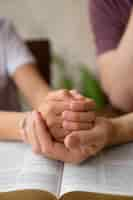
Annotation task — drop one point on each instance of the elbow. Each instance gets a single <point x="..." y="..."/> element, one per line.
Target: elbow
<point x="121" y="99"/>
<point x="116" y="85"/>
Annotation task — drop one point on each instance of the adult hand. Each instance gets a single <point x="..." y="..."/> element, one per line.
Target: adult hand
<point x="95" y="139"/>
<point x="66" y="111"/>
<point x="42" y="143"/>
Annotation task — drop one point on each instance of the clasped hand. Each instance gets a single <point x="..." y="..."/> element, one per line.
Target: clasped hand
<point x="66" y="128"/>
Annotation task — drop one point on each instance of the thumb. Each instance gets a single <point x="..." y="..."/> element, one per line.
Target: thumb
<point x="81" y="138"/>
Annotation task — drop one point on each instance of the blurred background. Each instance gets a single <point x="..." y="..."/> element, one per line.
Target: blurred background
<point x="64" y="23"/>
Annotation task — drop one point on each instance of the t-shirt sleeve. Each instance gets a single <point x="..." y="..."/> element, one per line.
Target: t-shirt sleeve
<point x="17" y="53"/>
<point x="105" y="25"/>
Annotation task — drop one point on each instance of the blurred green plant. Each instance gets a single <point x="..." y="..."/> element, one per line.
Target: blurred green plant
<point x="90" y="87"/>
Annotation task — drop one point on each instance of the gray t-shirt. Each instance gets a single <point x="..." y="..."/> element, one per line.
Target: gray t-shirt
<point x="13" y="54"/>
<point x="109" y="19"/>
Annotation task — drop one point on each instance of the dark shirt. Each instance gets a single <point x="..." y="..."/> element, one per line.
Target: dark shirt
<point x="109" y="19"/>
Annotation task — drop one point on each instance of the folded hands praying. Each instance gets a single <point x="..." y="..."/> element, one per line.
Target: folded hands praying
<point x="66" y="128"/>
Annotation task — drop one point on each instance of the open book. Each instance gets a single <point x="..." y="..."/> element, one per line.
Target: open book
<point x="26" y="175"/>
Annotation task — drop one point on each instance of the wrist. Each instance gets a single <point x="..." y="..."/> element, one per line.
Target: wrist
<point x="116" y="133"/>
<point x="112" y="133"/>
<point x="41" y="96"/>
<point x="123" y="128"/>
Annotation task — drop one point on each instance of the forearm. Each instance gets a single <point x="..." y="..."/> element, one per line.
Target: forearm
<point x="31" y="84"/>
<point x="122" y="130"/>
<point x="116" y="69"/>
<point x="119" y="58"/>
<point x="9" y="125"/>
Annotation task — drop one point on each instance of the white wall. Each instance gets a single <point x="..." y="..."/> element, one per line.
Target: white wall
<point x="65" y="22"/>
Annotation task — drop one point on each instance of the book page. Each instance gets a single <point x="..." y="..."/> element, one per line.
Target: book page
<point x="22" y="169"/>
<point x="109" y="172"/>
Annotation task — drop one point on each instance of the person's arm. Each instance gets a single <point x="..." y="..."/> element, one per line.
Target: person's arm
<point x="22" y="68"/>
<point x="116" y="69"/>
<point x="123" y="130"/>
<point x="57" y="106"/>
<point x="31" y="84"/>
<point x="106" y="132"/>
<point x="9" y="125"/>
<point x="114" y="52"/>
